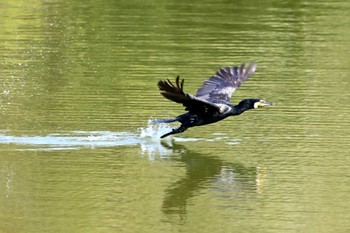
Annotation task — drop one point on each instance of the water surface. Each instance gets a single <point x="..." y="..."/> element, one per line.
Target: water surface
<point x="78" y="88"/>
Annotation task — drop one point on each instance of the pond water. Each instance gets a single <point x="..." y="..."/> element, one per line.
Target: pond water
<point x="78" y="90"/>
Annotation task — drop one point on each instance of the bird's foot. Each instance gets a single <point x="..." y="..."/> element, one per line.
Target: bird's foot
<point x="175" y="131"/>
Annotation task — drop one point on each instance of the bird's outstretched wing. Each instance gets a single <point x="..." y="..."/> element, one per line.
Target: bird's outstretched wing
<point x="174" y="92"/>
<point x="219" y="88"/>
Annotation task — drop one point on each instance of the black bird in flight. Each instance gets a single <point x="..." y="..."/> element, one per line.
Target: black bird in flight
<point x="212" y="101"/>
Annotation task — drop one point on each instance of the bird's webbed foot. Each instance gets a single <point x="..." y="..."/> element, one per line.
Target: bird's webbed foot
<point x="175" y="131"/>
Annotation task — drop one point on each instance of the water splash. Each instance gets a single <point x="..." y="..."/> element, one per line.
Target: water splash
<point x="148" y="138"/>
<point x="154" y="131"/>
<point x="151" y="140"/>
<point x="75" y="139"/>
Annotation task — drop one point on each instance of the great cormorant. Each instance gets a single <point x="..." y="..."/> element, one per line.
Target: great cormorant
<point x="212" y="101"/>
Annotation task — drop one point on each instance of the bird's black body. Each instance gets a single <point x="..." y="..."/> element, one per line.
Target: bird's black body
<point x="212" y="101"/>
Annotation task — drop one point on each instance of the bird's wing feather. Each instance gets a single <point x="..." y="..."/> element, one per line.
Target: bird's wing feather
<point x="174" y="92"/>
<point x="220" y="87"/>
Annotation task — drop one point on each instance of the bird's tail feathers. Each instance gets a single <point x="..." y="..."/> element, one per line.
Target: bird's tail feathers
<point x="164" y="120"/>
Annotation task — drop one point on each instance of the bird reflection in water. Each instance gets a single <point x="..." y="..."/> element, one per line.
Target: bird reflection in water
<point x="204" y="172"/>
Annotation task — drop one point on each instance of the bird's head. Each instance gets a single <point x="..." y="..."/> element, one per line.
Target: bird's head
<point x="254" y="103"/>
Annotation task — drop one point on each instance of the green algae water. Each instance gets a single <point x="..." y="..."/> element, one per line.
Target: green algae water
<point x="78" y="86"/>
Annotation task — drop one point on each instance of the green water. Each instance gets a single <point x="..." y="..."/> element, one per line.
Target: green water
<point x="78" y="87"/>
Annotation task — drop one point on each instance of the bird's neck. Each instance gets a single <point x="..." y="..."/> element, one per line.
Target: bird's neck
<point x="238" y="109"/>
